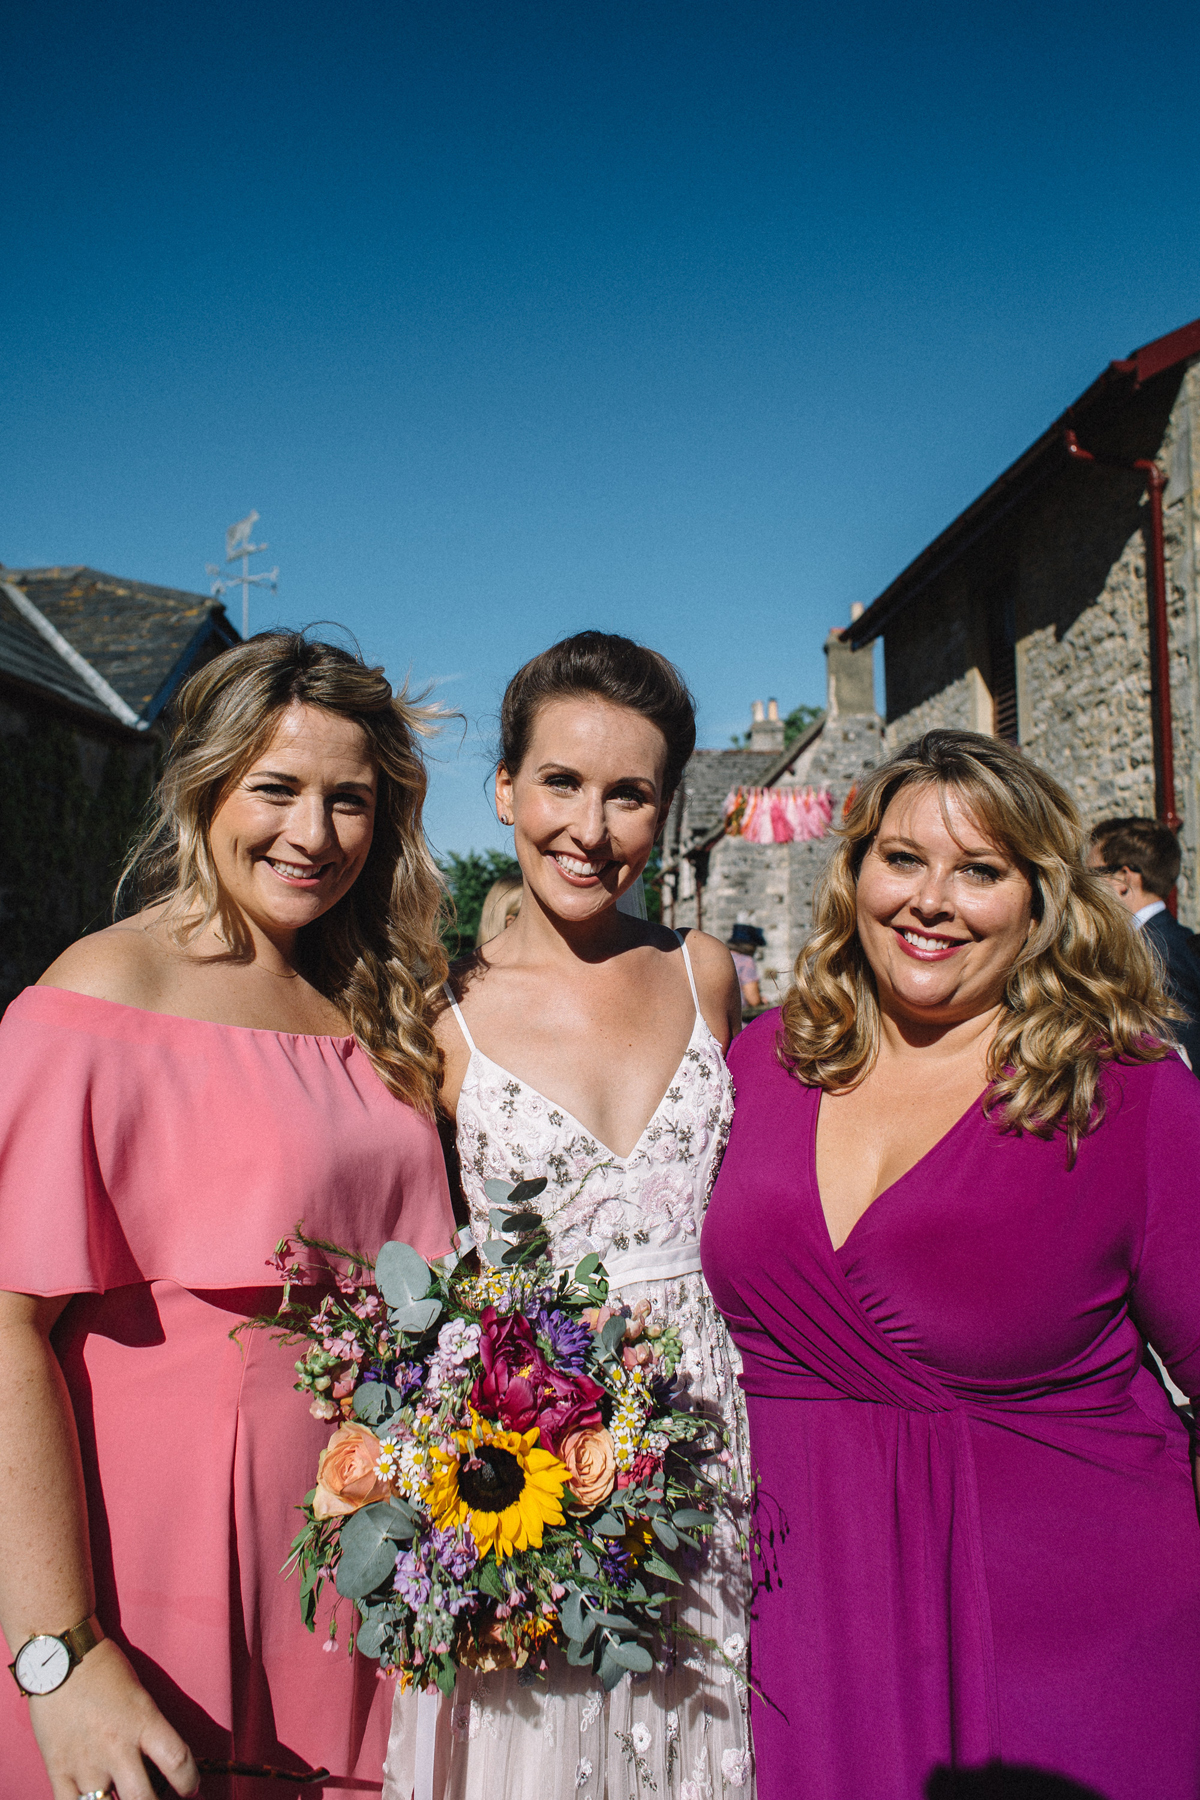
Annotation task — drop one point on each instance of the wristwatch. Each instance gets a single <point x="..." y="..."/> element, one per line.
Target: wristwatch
<point x="44" y="1663"/>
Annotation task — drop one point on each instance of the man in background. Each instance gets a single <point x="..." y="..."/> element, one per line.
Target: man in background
<point x="1140" y="859"/>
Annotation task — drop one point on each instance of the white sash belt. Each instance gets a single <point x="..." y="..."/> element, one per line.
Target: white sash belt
<point x="651" y="1262"/>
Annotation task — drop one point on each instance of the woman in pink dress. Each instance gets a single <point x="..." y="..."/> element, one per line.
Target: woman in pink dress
<point x="248" y="1051"/>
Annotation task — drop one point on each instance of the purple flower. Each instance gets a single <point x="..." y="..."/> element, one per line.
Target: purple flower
<point x="570" y="1339"/>
<point x="412" y="1583"/>
<point x="615" y="1565"/>
<point x="457" y="1556"/>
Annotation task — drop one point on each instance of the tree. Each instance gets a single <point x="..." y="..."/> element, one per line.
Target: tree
<point x="469" y="878"/>
<point x="798" y="722"/>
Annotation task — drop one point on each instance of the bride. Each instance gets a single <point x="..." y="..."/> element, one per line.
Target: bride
<point x="587" y="1045"/>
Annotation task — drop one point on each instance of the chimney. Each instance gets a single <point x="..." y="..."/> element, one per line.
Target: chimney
<point x="850" y="677"/>
<point x="766" y="729"/>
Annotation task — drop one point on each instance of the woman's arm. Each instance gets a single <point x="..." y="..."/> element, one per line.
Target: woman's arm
<point x="94" y="1729"/>
<point x="717" y="986"/>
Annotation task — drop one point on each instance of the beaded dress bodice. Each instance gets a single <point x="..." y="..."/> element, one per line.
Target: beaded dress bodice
<point x="642" y="1212"/>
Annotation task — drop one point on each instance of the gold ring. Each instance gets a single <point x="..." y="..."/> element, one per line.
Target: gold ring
<point x="104" y="1793"/>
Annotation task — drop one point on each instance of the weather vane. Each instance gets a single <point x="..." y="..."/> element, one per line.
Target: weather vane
<point x="239" y="548"/>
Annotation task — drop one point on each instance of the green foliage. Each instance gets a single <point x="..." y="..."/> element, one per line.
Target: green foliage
<point x="469" y="877"/>
<point x="799" y="720"/>
<point x="64" y="840"/>
<point x="795" y="725"/>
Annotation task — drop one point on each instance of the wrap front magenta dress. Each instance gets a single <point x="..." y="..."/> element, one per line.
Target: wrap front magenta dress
<point x="149" y="1164"/>
<point x="976" y="1533"/>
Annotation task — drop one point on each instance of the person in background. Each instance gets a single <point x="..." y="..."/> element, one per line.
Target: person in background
<point x="743" y="940"/>
<point x="1140" y="860"/>
<point x="501" y="907"/>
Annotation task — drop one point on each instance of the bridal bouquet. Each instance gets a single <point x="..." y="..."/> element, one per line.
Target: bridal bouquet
<point x="513" y="1464"/>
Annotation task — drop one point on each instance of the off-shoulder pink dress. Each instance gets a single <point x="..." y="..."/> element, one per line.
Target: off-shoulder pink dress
<point x="149" y="1164"/>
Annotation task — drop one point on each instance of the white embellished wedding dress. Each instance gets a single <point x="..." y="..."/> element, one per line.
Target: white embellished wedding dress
<point x="681" y="1732"/>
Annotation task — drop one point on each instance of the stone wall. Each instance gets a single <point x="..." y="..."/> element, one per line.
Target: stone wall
<point x="1071" y="562"/>
<point x="70" y="801"/>
<point x="771" y="885"/>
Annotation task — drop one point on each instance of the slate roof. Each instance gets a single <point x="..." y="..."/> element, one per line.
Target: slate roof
<point x="29" y="659"/>
<point x="707" y="780"/>
<point x="142" y="639"/>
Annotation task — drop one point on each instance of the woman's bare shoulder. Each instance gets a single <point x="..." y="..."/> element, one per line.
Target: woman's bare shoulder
<point x="126" y="962"/>
<point x="716" y="984"/>
<point x="711" y="961"/>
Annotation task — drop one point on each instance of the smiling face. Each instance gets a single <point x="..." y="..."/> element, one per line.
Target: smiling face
<point x="585" y="804"/>
<point x="943" y="912"/>
<point x="292" y="834"/>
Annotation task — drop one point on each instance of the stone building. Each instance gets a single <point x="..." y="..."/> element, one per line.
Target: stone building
<point x="87" y="664"/>
<point x="1037" y="614"/>
<point x="714" y="880"/>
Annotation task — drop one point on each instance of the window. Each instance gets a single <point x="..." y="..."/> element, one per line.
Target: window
<point x="1002" y="628"/>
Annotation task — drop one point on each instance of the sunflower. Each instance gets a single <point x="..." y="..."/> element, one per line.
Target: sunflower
<point x="500" y="1484"/>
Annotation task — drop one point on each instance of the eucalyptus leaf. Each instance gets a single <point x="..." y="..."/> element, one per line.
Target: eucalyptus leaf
<point x="577" y="1624"/>
<point x="616" y="1622"/>
<point x="578" y="1656"/>
<point x="523" y="1221"/>
<point x="498" y="1190"/>
<point x="370" y="1638"/>
<point x="368" y="1547"/>
<point x="401" y="1275"/>
<point x="666" y="1534"/>
<point x="688" y="1516"/>
<point x="415" y="1316"/>
<point x="375" y="1402"/>
<point x="588" y="1564"/>
<point x="587" y="1268"/>
<point x="631" y="1656"/>
<point x="610" y="1526"/>
<point x="493" y="1251"/>
<point x="526" y="1190"/>
<point x="613" y="1335"/>
<point x="654" y="1565"/>
<point x="610" y="1671"/>
<point x="497" y="1218"/>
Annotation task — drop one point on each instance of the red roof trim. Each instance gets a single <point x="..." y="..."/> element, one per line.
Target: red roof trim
<point x="1014" y="483"/>
<point x="1165" y="352"/>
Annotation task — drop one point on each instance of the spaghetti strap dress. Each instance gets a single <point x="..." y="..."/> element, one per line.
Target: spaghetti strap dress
<point x="148" y="1166"/>
<point x="682" y="1732"/>
<point x="975" y="1533"/>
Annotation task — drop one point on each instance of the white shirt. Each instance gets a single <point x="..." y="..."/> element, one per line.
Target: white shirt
<point x="1147" y="912"/>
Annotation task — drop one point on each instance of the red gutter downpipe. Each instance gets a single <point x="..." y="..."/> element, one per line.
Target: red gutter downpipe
<point x="1156" y="583"/>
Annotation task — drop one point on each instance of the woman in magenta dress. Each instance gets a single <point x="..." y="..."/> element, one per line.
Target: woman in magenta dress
<point x="248" y="1051"/>
<point x="959" y="1199"/>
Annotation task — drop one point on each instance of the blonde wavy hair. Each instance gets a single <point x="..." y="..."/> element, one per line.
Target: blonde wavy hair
<point x="1086" y="988"/>
<point x="376" y="954"/>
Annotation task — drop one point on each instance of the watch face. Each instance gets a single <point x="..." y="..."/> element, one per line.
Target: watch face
<point x="43" y="1665"/>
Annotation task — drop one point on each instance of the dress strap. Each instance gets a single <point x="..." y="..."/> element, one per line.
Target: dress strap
<point x="687" y="963"/>
<point x="462" y="1023"/>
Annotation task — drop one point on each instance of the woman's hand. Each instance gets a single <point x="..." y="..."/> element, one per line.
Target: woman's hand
<point x="94" y="1730"/>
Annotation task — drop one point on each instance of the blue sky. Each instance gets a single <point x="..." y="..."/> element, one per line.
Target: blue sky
<point x="691" y="320"/>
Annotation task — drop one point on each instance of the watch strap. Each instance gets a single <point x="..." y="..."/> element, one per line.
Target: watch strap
<point x="82" y="1637"/>
<point x="77" y="1642"/>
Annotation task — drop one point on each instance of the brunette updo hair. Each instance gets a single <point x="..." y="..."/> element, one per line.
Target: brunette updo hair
<point x="613" y="669"/>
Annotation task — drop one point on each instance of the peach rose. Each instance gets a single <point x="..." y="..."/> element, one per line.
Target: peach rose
<point x="591" y="1459"/>
<point x="346" y="1477"/>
